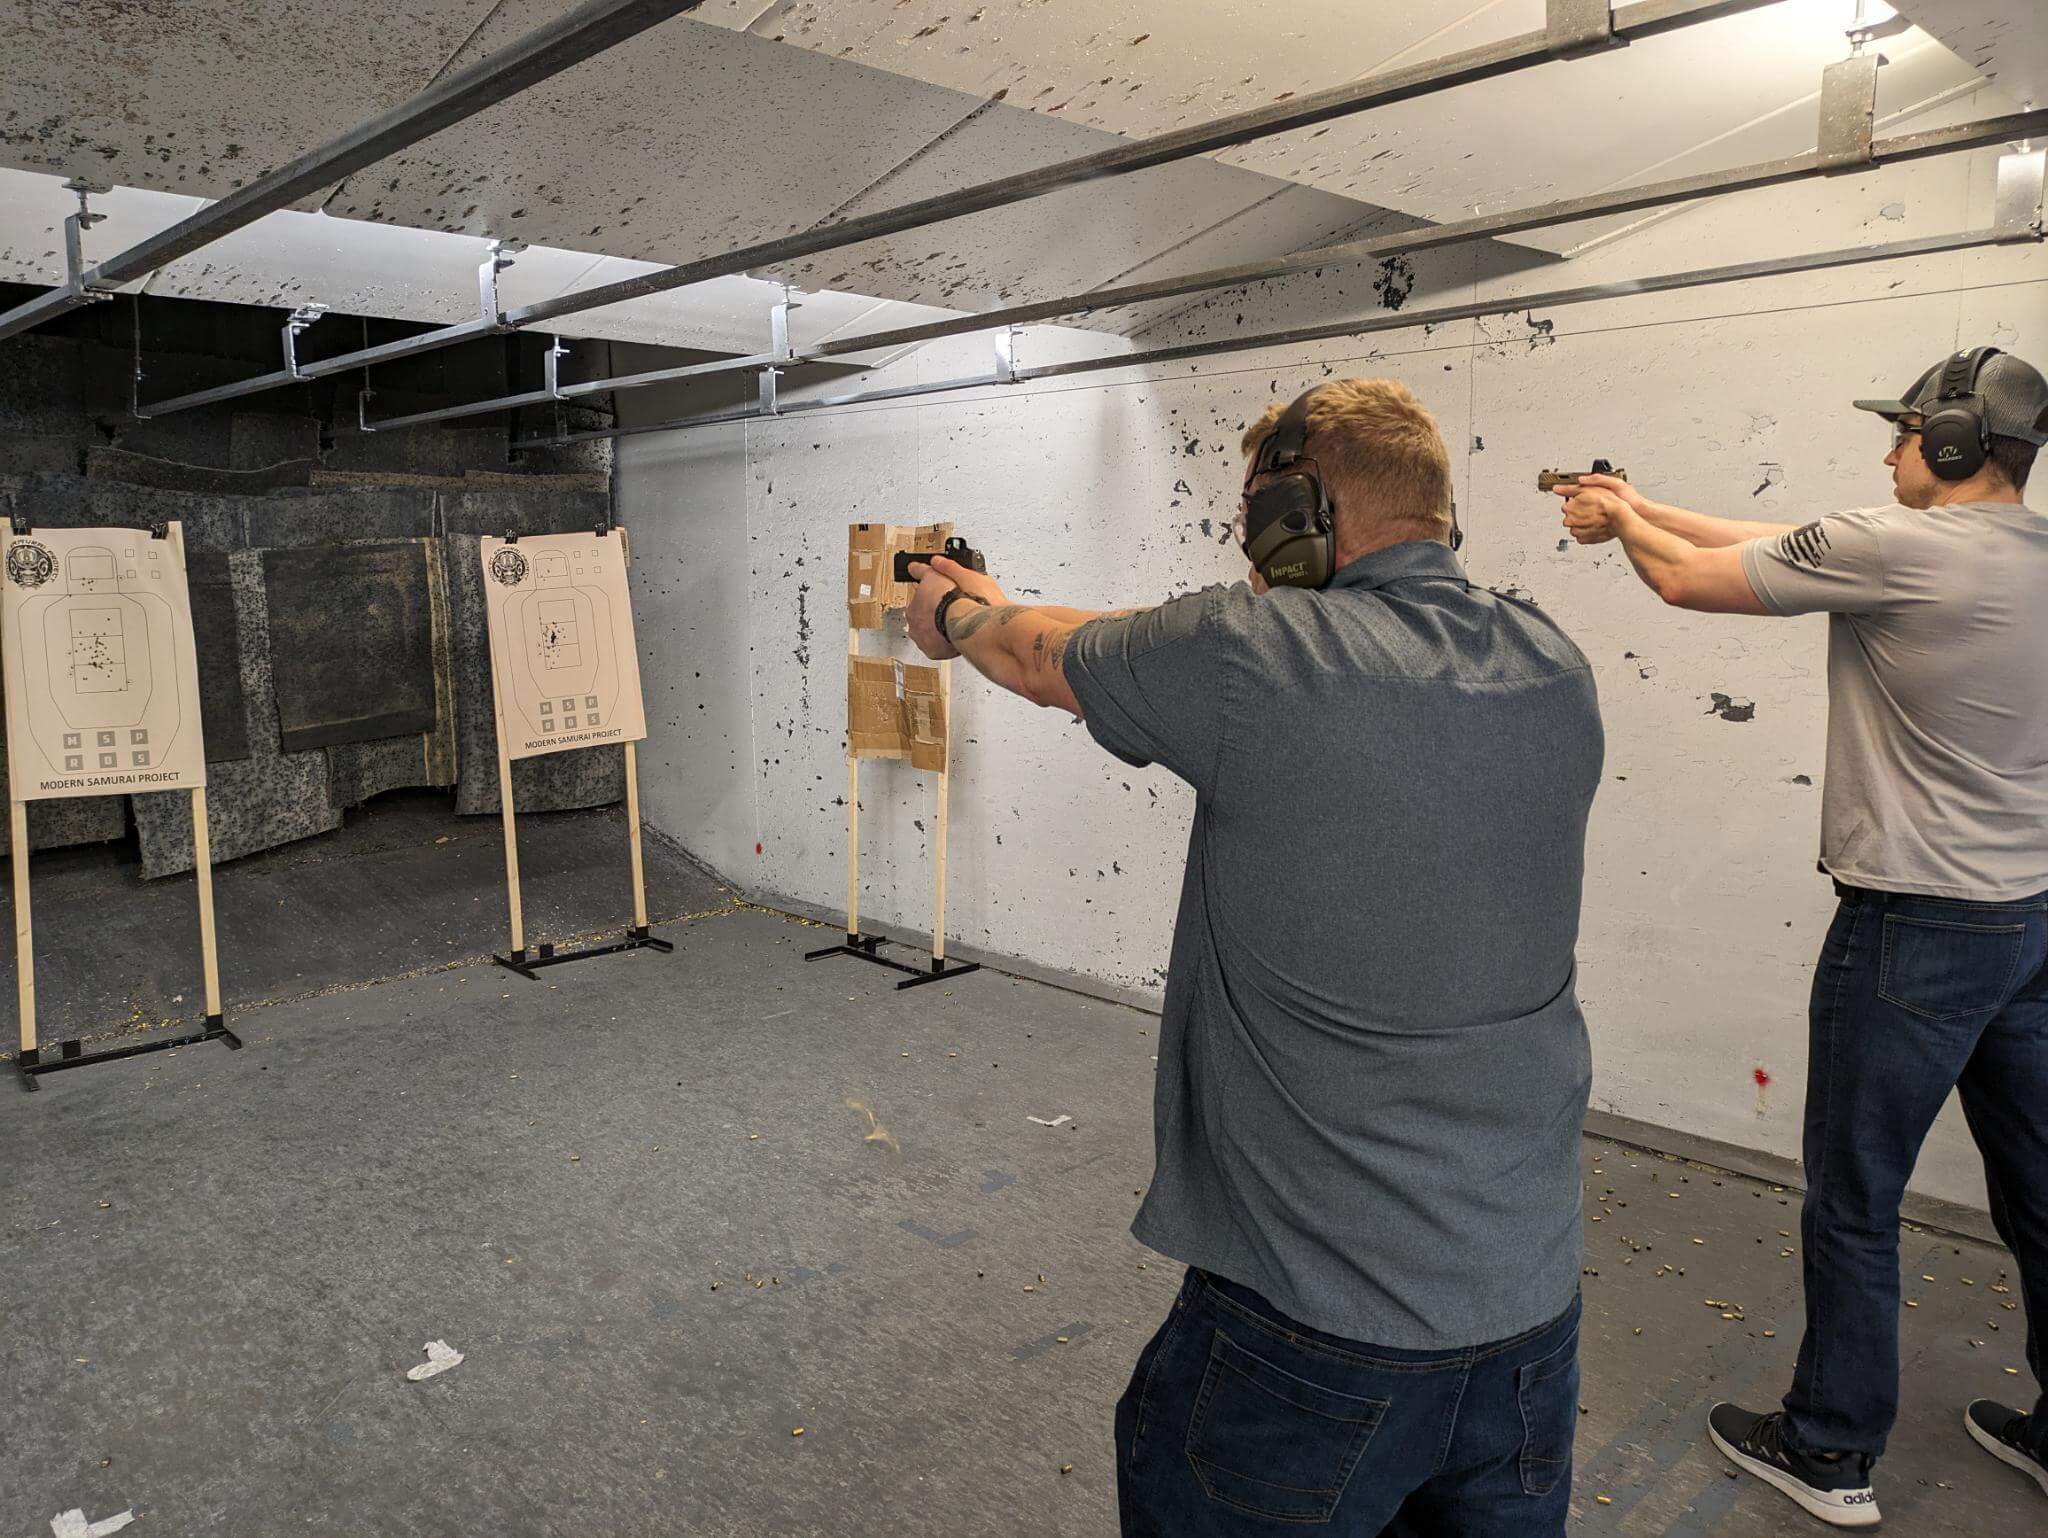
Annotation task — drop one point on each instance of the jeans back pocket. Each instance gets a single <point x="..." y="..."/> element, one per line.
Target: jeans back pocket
<point x="1272" y="1444"/>
<point x="1549" y="1392"/>
<point x="1942" y="969"/>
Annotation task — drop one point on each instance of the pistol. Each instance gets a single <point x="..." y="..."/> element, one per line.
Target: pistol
<point x="1548" y="480"/>
<point x="957" y="549"/>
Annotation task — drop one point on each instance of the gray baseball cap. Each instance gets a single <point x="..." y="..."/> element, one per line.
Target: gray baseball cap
<point x="2013" y="393"/>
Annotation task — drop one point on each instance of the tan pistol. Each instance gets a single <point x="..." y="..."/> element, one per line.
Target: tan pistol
<point x="1549" y="480"/>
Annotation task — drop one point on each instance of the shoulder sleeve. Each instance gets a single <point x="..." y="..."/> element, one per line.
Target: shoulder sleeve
<point x="1151" y="685"/>
<point x="1835" y="565"/>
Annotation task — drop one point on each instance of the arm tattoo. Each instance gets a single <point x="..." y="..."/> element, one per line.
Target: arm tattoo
<point x="961" y="630"/>
<point x="1057" y="657"/>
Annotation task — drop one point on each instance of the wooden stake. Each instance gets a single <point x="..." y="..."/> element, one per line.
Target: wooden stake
<point x="852" y="807"/>
<point x="633" y="834"/>
<point x="945" y="778"/>
<point x="511" y="819"/>
<point x="202" y="870"/>
<point x="24" y="939"/>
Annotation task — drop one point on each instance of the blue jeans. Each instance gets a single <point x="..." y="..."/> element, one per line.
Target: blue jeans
<point x="1914" y="997"/>
<point x="1239" y="1421"/>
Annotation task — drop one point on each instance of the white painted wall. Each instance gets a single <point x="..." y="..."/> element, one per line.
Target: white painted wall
<point x="1703" y="910"/>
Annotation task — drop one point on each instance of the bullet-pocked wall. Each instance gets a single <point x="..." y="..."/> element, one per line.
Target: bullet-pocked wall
<point x="1703" y="910"/>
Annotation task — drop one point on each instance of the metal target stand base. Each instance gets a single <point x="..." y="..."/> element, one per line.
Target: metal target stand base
<point x="637" y="938"/>
<point x="862" y="947"/>
<point x="31" y="1063"/>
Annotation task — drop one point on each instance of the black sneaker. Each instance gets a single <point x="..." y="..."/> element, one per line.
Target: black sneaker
<point x="2000" y="1432"/>
<point x="1835" y="1490"/>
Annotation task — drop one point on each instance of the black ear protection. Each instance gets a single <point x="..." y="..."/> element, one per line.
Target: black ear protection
<point x="1290" y="529"/>
<point x="1954" y="439"/>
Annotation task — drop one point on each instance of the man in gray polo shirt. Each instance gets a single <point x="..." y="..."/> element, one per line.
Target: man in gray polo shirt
<point x="1373" y="1069"/>
<point x="1934" y="826"/>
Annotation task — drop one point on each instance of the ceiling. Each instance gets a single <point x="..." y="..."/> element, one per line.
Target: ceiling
<point x="1658" y="108"/>
<point x="757" y="118"/>
<point x="686" y="141"/>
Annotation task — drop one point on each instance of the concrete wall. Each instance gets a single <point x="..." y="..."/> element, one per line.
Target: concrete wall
<point x="1703" y="911"/>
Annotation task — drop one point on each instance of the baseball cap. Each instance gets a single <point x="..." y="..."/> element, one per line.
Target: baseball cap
<point x="2012" y="392"/>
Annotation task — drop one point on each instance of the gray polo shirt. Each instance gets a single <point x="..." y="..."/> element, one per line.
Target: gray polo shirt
<point x="1937" y="777"/>
<point x="1372" y="1070"/>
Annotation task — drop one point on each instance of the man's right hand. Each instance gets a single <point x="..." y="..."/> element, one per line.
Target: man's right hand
<point x="1637" y="502"/>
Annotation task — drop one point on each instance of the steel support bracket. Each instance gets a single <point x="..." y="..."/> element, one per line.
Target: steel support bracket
<point x="76" y="282"/>
<point x="496" y="260"/>
<point x="770" y="404"/>
<point x="2022" y="183"/>
<point x="1006" y="356"/>
<point x="1848" y="111"/>
<point x="1863" y="31"/>
<point x="551" y="368"/>
<point x="778" y="328"/>
<point x="1579" y="27"/>
<point x="301" y="318"/>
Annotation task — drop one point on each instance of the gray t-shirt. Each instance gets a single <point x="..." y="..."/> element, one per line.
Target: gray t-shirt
<point x="1937" y="773"/>
<point x="1372" y="1069"/>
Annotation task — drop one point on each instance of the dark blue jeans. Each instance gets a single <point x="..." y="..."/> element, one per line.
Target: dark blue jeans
<point x="1914" y="997"/>
<point x="1239" y="1421"/>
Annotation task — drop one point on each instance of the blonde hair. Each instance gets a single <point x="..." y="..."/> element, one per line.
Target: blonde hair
<point x="1381" y="455"/>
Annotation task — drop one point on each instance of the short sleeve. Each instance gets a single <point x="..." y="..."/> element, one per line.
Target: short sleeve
<point x="1834" y="566"/>
<point x="1151" y="685"/>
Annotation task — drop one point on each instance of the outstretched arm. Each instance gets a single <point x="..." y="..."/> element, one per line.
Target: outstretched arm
<point x="1701" y="530"/>
<point x="1709" y="579"/>
<point x="1020" y="649"/>
<point x="1015" y="646"/>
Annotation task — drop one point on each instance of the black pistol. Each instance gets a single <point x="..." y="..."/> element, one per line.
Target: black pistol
<point x="1548" y="480"/>
<point x="957" y="549"/>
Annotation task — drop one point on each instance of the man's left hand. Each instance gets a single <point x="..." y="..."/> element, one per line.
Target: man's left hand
<point x="1593" y="515"/>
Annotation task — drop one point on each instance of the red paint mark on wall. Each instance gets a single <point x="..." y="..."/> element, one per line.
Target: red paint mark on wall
<point x="757" y="850"/>
<point x="1763" y="1083"/>
<point x="1763" y="1080"/>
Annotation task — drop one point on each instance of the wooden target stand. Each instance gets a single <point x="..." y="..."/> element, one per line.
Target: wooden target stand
<point x="865" y="947"/>
<point x="29" y="1062"/>
<point x="637" y="936"/>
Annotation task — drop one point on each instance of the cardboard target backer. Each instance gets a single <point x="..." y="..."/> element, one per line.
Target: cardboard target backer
<point x="102" y="678"/>
<point x="564" y="663"/>
<point x="895" y="710"/>
<point x="871" y="549"/>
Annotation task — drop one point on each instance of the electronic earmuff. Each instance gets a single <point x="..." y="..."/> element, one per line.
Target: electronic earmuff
<point x="1290" y="529"/>
<point x="1954" y="437"/>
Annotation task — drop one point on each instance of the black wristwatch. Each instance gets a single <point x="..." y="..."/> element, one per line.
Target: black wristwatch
<point x="939" y="614"/>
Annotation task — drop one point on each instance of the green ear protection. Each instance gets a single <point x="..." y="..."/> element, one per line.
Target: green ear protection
<point x="1290" y="529"/>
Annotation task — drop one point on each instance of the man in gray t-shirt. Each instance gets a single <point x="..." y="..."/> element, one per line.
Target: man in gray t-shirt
<point x="1934" y="826"/>
<point x="1373" y="1070"/>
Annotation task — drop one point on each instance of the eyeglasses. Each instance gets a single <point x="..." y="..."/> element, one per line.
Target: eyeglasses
<point x="1901" y="431"/>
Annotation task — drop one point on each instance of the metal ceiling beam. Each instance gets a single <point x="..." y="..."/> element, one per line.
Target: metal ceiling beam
<point x="1770" y="173"/>
<point x="1661" y="283"/>
<point x="1641" y="19"/>
<point x="546" y="51"/>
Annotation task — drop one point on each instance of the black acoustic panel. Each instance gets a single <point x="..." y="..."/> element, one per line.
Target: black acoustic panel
<point x="223" y="709"/>
<point x="351" y="642"/>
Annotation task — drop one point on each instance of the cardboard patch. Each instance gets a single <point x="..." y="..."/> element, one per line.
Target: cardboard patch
<point x="871" y="548"/>
<point x="895" y="710"/>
